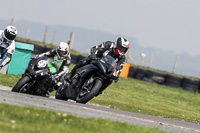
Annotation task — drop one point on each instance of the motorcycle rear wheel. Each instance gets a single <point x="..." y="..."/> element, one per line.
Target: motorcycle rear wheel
<point x="61" y="94"/>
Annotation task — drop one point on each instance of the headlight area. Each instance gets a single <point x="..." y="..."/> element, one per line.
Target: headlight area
<point x="41" y="64"/>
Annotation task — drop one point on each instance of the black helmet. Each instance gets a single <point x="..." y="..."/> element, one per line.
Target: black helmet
<point x="10" y="33"/>
<point x="121" y="46"/>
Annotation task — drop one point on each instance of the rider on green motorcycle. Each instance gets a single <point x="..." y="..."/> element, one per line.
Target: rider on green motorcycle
<point x="61" y="61"/>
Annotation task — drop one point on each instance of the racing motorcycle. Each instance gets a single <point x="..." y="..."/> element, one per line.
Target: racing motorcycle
<point x="36" y="78"/>
<point x="89" y="80"/>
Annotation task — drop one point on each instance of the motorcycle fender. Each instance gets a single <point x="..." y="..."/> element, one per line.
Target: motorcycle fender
<point x="27" y="74"/>
<point x="31" y="83"/>
<point x="86" y="70"/>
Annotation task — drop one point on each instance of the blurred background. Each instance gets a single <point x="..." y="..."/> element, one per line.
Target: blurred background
<point x="165" y="31"/>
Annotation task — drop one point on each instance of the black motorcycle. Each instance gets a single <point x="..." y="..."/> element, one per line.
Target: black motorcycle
<point x="89" y="80"/>
<point x="36" y="78"/>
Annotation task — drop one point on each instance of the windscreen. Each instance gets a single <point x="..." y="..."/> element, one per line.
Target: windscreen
<point x="110" y="63"/>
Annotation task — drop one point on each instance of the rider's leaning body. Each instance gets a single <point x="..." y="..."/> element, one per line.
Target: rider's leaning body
<point x="7" y="45"/>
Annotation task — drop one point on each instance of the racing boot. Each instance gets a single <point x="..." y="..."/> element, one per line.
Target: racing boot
<point x="57" y="86"/>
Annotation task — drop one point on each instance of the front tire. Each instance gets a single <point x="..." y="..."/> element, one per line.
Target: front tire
<point x="21" y="85"/>
<point x="97" y="84"/>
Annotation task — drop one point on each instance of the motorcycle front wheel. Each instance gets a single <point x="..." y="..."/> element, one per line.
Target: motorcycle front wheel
<point x="21" y="85"/>
<point x="84" y="96"/>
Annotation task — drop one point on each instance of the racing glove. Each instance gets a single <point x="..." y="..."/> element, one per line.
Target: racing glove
<point x="54" y="77"/>
<point x="35" y="57"/>
<point x="93" y="56"/>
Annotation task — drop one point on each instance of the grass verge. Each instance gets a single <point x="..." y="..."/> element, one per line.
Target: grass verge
<point x="15" y="119"/>
<point x="152" y="99"/>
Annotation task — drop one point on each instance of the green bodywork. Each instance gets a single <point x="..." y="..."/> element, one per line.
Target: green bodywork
<point x="55" y="65"/>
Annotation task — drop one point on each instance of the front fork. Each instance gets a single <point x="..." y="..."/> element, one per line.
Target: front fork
<point x="31" y="83"/>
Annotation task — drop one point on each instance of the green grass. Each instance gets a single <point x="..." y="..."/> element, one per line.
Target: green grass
<point x="143" y="97"/>
<point x="9" y="79"/>
<point x="152" y="99"/>
<point x="15" y="119"/>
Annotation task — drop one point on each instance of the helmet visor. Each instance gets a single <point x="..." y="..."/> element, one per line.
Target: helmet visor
<point x="9" y="35"/>
<point x="122" y="49"/>
<point x="61" y="53"/>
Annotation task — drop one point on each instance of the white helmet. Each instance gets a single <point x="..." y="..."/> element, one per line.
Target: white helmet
<point x="121" y="46"/>
<point x="10" y="33"/>
<point x="63" y="49"/>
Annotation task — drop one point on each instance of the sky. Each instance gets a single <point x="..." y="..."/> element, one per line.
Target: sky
<point x="171" y="25"/>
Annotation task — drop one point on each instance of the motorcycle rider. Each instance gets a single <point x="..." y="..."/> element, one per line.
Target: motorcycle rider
<point x="7" y="44"/>
<point x="115" y="49"/>
<point x="61" y="61"/>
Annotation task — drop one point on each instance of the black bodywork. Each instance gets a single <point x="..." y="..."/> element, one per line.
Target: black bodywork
<point x="89" y="80"/>
<point x="35" y="80"/>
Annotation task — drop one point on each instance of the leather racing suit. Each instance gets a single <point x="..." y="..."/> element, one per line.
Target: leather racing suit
<point x="6" y="50"/>
<point x="61" y="63"/>
<point x="105" y="48"/>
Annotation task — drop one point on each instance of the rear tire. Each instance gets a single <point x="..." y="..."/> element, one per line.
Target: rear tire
<point x="94" y="91"/>
<point x="21" y="84"/>
<point x="61" y="94"/>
